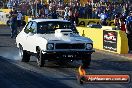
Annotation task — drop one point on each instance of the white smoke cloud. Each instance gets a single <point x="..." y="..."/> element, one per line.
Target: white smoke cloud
<point x="10" y="53"/>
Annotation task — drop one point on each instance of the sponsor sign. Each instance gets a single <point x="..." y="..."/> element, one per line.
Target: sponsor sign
<point x="107" y="78"/>
<point x="110" y="40"/>
<point x="85" y="22"/>
<point x="101" y="78"/>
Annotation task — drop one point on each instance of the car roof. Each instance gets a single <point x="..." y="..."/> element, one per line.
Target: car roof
<point x="43" y="20"/>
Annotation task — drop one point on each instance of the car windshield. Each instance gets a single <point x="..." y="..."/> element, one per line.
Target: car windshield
<point x="51" y="26"/>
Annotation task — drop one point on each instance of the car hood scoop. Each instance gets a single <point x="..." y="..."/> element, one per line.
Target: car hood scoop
<point x="63" y="32"/>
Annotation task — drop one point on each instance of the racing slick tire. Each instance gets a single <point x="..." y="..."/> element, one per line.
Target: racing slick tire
<point x="86" y="62"/>
<point x="25" y="57"/>
<point x="40" y="58"/>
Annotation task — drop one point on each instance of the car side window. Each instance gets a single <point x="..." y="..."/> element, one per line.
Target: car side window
<point x="33" y="28"/>
<point x="27" y="28"/>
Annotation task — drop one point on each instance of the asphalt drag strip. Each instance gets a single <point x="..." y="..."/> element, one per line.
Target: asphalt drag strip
<point x="65" y="74"/>
<point x="12" y="76"/>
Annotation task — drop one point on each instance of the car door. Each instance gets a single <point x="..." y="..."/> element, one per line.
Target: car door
<point x="31" y="38"/>
<point x="25" y="35"/>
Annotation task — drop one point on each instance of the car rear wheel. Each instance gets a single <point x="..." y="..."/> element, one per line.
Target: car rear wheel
<point x="86" y="62"/>
<point x="25" y="57"/>
<point x="40" y="58"/>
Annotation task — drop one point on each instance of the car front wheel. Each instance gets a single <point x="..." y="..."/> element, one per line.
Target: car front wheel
<point x="40" y="58"/>
<point x="25" y="57"/>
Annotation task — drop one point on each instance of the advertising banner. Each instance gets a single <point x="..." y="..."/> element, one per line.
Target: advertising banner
<point x="110" y="40"/>
<point x="85" y="22"/>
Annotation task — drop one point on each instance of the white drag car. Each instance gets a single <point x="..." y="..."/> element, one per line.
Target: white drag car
<point x="53" y="39"/>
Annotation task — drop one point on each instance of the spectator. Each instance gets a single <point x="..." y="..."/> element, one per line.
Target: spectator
<point x="32" y="7"/>
<point x="116" y="21"/>
<point x="76" y="15"/>
<point x="42" y="13"/>
<point x="13" y="21"/>
<point x="126" y="9"/>
<point x="122" y="25"/>
<point x="53" y="14"/>
<point x="19" y="19"/>
<point x="46" y="11"/>
<point x="86" y="11"/>
<point x="97" y="12"/>
<point x="9" y="5"/>
<point x="123" y="17"/>
<point x="80" y="9"/>
<point x="103" y="18"/>
<point x="71" y="17"/>
<point x="83" y="12"/>
<point x="129" y="30"/>
<point x="89" y="10"/>
<point x="119" y="9"/>
<point x="23" y="7"/>
<point x="66" y="15"/>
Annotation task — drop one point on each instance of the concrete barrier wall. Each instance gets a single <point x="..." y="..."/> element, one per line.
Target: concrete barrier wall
<point x="4" y="18"/>
<point x="5" y="10"/>
<point x="26" y="19"/>
<point x="98" y="36"/>
<point x="4" y="13"/>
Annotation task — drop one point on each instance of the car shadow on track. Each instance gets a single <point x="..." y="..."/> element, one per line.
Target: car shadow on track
<point x="51" y="64"/>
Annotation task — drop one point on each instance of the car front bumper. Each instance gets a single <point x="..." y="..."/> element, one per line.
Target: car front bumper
<point x="72" y="55"/>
